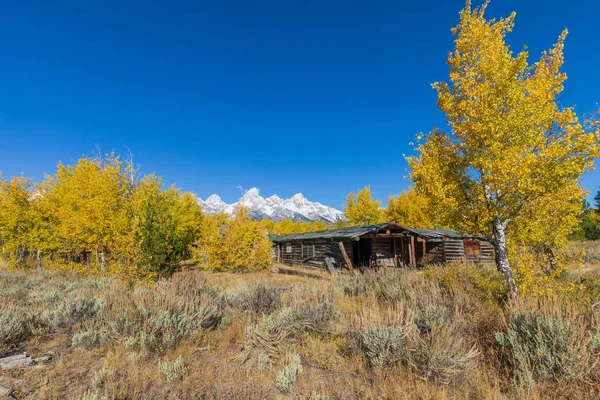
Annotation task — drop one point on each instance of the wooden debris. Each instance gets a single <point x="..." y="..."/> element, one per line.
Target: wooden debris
<point x="199" y="349"/>
<point x="329" y="263"/>
<point x="4" y="391"/>
<point x="4" y="379"/>
<point x="42" y="359"/>
<point x="345" y="255"/>
<point x="21" y="360"/>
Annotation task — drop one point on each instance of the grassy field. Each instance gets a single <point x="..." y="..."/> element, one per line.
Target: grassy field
<point x="445" y="332"/>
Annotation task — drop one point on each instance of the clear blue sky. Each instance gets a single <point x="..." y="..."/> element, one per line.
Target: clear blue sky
<point x="319" y="97"/>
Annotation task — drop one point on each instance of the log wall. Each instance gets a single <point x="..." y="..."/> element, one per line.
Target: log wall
<point x="448" y="250"/>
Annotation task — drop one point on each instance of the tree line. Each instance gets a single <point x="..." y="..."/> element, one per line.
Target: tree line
<point x="99" y="216"/>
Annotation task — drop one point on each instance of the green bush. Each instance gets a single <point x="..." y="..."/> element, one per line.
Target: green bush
<point x="14" y="327"/>
<point x="538" y="347"/>
<point x="385" y="345"/>
<point x="441" y="355"/>
<point x="91" y="395"/>
<point x="162" y="319"/>
<point x="353" y="284"/>
<point x="72" y="311"/>
<point x="88" y="339"/>
<point x="287" y="377"/>
<point x="173" y="370"/>
<point x="266" y="340"/>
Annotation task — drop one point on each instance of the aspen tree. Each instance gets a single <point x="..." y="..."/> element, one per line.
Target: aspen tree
<point x="409" y="209"/>
<point x="511" y="146"/>
<point x="361" y="209"/>
<point x="16" y="223"/>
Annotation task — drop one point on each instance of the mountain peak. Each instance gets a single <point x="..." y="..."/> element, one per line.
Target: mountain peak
<point x="297" y="207"/>
<point x="213" y="198"/>
<point x="253" y="192"/>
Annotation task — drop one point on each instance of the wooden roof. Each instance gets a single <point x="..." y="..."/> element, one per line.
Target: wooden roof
<point x="355" y="232"/>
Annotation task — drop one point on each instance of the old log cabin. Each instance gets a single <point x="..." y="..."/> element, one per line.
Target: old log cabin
<point x="379" y="245"/>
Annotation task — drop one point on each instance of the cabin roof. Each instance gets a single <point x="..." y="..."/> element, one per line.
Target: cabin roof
<point x="358" y="231"/>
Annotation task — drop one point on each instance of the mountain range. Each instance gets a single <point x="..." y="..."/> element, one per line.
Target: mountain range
<point x="295" y="208"/>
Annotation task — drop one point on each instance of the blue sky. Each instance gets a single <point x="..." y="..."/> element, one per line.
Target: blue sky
<point x="319" y="97"/>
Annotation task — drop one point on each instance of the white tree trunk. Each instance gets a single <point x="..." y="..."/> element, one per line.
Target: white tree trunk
<point x="501" y="251"/>
<point x="22" y="254"/>
<point x="103" y="258"/>
<point x="39" y="259"/>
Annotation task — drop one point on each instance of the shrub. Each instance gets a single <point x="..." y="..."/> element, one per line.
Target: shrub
<point x="163" y="319"/>
<point x="72" y="311"/>
<point x="91" y="395"/>
<point x="321" y="314"/>
<point x="99" y="378"/>
<point x="481" y="281"/>
<point x="257" y="300"/>
<point x="88" y="338"/>
<point x="287" y="377"/>
<point x="383" y="346"/>
<point x="434" y="314"/>
<point x="441" y="355"/>
<point x="353" y="284"/>
<point x="265" y="341"/>
<point x="14" y="327"/>
<point x="540" y="347"/>
<point x="46" y="296"/>
<point x="190" y="283"/>
<point x="173" y="370"/>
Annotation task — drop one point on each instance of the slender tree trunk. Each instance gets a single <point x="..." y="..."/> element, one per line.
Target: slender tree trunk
<point x="39" y="259"/>
<point x="96" y="255"/>
<point x="502" y="255"/>
<point x="103" y="258"/>
<point x="551" y="261"/>
<point x="22" y="254"/>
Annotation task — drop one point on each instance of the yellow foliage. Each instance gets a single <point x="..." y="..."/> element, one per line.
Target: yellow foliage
<point x="247" y="245"/>
<point x="210" y="250"/>
<point x="90" y="200"/>
<point x="236" y="243"/>
<point x="16" y="225"/>
<point x="514" y="156"/>
<point x="132" y="229"/>
<point x="409" y="209"/>
<point x="361" y="209"/>
<point x="287" y="226"/>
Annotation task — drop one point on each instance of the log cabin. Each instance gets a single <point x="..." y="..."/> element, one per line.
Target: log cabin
<point x="379" y="245"/>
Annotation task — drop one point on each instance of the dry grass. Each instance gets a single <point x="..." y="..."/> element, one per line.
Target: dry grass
<point x="447" y="332"/>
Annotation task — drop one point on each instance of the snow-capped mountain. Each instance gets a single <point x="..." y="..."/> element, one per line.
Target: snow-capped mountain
<point x="297" y="207"/>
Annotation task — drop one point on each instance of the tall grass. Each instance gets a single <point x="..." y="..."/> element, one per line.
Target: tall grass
<point x="446" y="332"/>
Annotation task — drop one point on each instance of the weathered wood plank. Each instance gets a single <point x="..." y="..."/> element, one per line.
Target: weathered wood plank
<point x="345" y="255"/>
<point x="330" y="267"/>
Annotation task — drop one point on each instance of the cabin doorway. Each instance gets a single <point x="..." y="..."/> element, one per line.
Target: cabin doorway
<point x="361" y="252"/>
